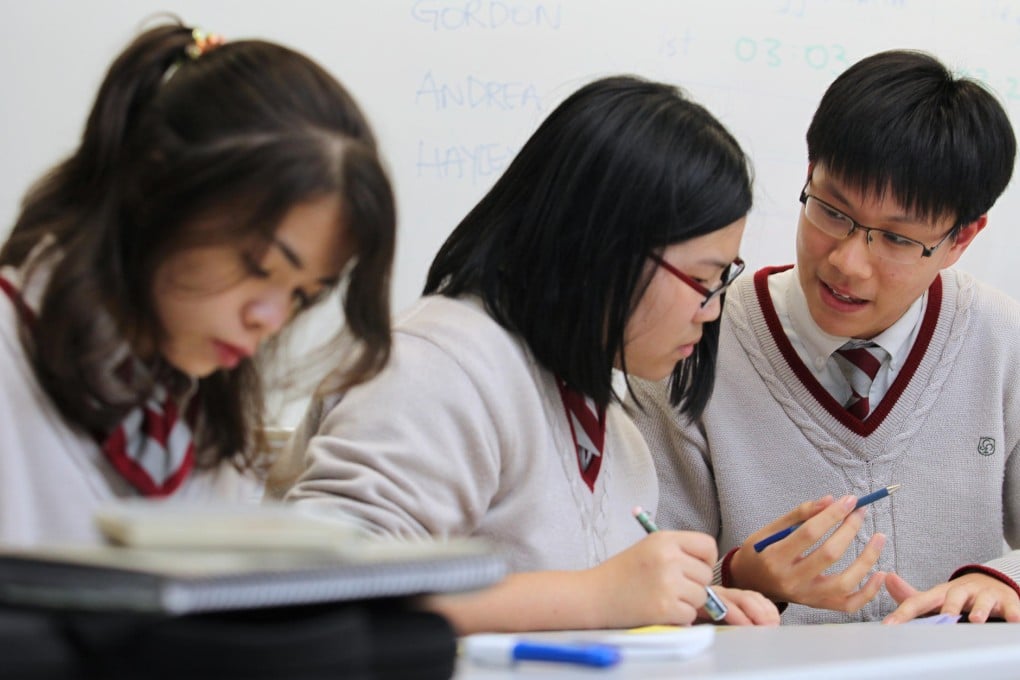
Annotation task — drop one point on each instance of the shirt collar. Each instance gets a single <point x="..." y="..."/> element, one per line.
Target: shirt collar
<point x="896" y="340"/>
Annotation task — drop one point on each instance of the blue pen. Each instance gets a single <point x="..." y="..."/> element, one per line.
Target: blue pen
<point x="861" y="502"/>
<point x="713" y="605"/>
<point x="504" y="650"/>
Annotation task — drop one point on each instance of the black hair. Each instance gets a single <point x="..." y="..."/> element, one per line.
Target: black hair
<point x="234" y="139"/>
<point x="900" y="121"/>
<point x="558" y="249"/>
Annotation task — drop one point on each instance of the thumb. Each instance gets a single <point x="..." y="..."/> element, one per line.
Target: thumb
<point x="898" y="588"/>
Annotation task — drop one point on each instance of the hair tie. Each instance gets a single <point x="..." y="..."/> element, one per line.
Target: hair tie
<point x="203" y="42"/>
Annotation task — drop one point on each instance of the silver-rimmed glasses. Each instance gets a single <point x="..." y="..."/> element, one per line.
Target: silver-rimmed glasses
<point x="885" y="244"/>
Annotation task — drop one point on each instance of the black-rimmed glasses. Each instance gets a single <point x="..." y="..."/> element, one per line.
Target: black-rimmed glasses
<point x="888" y="245"/>
<point x="731" y="273"/>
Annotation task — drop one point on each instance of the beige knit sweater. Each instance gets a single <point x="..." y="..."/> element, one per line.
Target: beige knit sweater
<point x="463" y="434"/>
<point x="948" y="431"/>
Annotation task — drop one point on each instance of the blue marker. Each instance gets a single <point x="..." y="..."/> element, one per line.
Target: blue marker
<point x="713" y="605"/>
<point x="494" y="649"/>
<point x="861" y="502"/>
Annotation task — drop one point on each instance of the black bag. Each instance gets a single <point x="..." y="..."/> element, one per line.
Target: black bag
<point x="362" y="640"/>
<point x="31" y="647"/>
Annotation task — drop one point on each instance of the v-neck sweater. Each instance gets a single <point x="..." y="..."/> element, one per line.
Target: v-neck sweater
<point x="464" y="433"/>
<point x="53" y="475"/>
<point x="948" y="431"/>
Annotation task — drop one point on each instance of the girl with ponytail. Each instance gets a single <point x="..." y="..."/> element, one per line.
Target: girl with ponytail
<point x="219" y="190"/>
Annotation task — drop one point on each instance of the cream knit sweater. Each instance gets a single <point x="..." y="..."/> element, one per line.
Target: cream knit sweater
<point x="463" y="434"/>
<point x="53" y="476"/>
<point x="948" y="431"/>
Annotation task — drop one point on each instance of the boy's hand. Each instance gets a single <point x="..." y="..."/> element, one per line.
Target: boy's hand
<point x="786" y="572"/>
<point x="980" y="594"/>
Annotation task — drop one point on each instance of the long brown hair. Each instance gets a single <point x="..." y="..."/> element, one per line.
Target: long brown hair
<point x="236" y="138"/>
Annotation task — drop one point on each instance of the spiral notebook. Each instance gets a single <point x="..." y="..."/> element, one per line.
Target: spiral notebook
<point x="173" y="577"/>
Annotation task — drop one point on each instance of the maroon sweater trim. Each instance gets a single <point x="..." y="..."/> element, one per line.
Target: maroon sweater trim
<point x="821" y="395"/>
<point x="988" y="571"/>
<point x="726" y="577"/>
<point x="19" y="304"/>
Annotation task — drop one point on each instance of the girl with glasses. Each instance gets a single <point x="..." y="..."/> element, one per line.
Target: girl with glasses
<point x="872" y="362"/>
<point x="500" y="414"/>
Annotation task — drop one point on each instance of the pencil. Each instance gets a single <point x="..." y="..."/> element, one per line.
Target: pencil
<point x="861" y="502"/>
<point x="713" y="605"/>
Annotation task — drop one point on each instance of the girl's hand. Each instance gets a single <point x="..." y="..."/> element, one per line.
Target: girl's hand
<point x="746" y="608"/>
<point x="659" y="580"/>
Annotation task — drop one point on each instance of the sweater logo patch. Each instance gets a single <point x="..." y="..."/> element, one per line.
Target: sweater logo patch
<point x="986" y="446"/>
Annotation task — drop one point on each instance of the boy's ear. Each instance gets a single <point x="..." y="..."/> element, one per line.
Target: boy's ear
<point x="963" y="238"/>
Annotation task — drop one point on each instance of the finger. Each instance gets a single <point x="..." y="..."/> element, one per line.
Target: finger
<point x="912" y="607"/>
<point x="1010" y="610"/>
<point x="739" y="603"/>
<point x="898" y="588"/>
<point x="866" y="593"/>
<point x="684" y="614"/>
<point x="812" y="530"/>
<point x="692" y="594"/>
<point x="761" y="610"/>
<point x="835" y="546"/>
<point x="735" y="616"/>
<point x="677" y="554"/>
<point x="696" y="572"/>
<point x="845" y="590"/>
<point x="957" y="600"/>
<point x="811" y="508"/>
<point x="984" y="602"/>
<point x="691" y="599"/>
<point x="699" y="545"/>
<point x="866" y="561"/>
<point x="860" y="568"/>
<point x="799" y="514"/>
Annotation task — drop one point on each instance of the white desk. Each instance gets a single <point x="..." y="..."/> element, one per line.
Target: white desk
<point x="827" y="652"/>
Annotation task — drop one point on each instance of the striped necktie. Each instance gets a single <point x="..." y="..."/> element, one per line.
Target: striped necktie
<point x="588" y="428"/>
<point x="152" y="447"/>
<point x="859" y="362"/>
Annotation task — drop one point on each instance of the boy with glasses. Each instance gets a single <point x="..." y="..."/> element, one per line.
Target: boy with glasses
<point x="868" y="364"/>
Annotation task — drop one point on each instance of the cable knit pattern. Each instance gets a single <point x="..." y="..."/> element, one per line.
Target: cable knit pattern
<point x="464" y="434"/>
<point x="948" y="430"/>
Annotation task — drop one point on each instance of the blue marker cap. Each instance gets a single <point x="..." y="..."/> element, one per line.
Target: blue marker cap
<point x="586" y="654"/>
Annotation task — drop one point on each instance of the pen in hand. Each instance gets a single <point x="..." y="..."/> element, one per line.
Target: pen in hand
<point x="861" y="502"/>
<point x="713" y="605"/>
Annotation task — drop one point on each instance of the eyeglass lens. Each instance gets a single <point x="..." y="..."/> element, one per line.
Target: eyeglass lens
<point x="884" y="244"/>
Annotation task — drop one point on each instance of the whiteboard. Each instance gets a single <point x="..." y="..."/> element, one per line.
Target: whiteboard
<point x="454" y="87"/>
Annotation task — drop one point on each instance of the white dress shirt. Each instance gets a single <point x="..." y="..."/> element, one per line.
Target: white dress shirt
<point x="814" y="346"/>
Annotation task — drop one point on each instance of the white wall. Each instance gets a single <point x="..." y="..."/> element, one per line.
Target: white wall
<point x="454" y="87"/>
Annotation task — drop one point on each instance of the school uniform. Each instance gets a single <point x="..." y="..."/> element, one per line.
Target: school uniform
<point x="776" y="433"/>
<point x="465" y="434"/>
<point x="53" y="475"/>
